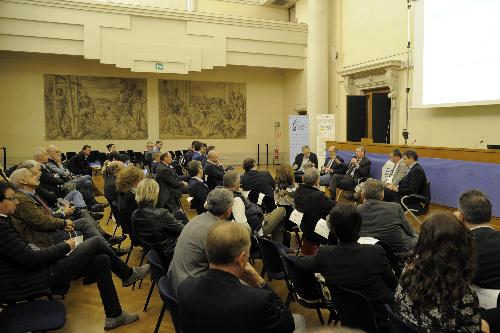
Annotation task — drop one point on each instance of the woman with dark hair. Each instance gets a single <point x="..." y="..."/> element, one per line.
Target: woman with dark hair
<point x="359" y="267"/>
<point x="434" y="291"/>
<point x="285" y="185"/>
<point x="156" y="227"/>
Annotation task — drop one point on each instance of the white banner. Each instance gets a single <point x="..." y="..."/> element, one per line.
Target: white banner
<point x="298" y="129"/>
<point x="326" y="132"/>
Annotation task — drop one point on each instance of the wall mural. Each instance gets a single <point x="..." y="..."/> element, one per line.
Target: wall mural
<point x="199" y="109"/>
<point x="97" y="108"/>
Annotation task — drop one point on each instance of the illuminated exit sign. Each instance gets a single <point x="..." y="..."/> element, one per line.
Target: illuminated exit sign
<point x="159" y="66"/>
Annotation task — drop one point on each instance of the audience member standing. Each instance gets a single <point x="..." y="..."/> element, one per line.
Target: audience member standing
<point x="170" y="186"/>
<point x="197" y="188"/>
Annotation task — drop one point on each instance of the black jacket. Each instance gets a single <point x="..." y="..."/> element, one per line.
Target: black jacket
<point x="110" y="192"/>
<point x="23" y="271"/>
<point x="260" y="181"/>
<point x="199" y="191"/>
<point x="315" y="205"/>
<point x="156" y="227"/>
<point x="127" y="206"/>
<point x="313" y="158"/>
<point x="214" y="174"/>
<point x="413" y="182"/>
<point x="49" y="182"/>
<point x="336" y="168"/>
<point x="488" y="258"/>
<point x="79" y="166"/>
<point x="170" y="188"/>
<point x="359" y="267"/>
<point x="362" y="171"/>
<point x="217" y="302"/>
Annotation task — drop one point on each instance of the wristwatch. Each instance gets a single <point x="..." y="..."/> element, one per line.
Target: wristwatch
<point x="261" y="285"/>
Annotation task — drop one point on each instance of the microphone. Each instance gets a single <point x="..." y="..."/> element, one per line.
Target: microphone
<point x="477" y="144"/>
<point x="413" y="142"/>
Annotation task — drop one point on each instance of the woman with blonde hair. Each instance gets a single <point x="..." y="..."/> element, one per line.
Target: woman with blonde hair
<point x="156" y="227"/>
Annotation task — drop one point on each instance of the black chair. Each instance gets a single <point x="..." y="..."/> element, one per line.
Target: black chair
<point x="354" y="309"/>
<point x="307" y="290"/>
<point x="396" y="265"/>
<point x="273" y="265"/>
<point x="418" y="204"/>
<point x="178" y="154"/>
<point x="116" y="213"/>
<point x="396" y="325"/>
<point x="157" y="271"/>
<point x="70" y="154"/>
<point x="172" y="154"/>
<point x="169" y="303"/>
<point x="94" y="156"/>
<point x="38" y="315"/>
<point x="267" y="205"/>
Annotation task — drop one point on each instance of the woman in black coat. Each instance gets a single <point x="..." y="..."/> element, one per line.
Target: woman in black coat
<point x="154" y="226"/>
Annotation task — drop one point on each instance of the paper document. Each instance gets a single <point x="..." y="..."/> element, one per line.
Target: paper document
<point x="367" y="240"/>
<point x="296" y="217"/>
<point x="189" y="199"/>
<point x="488" y="298"/>
<point x="261" y="197"/>
<point x="322" y="228"/>
<point x="78" y="241"/>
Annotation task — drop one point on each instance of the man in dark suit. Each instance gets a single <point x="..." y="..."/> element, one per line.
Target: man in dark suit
<point x="474" y="209"/>
<point x="359" y="267"/>
<point x="385" y="221"/>
<point x="200" y="149"/>
<point x="359" y="167"/>
<point x="253" y="180"/>
<point x="197" y="188"/>
<point x="170" y="186"/>
<point x="315" y="205"/>
<point x="334" y="164"/>
<point x="413" y="183"/>
<point x="303" y="160"/>
<point x="78" y="164"/>
<point x="214" y="171"/>
<point x="218" y="302"/>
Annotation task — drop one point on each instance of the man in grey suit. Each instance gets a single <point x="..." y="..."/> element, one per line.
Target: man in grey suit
<point x="385" y="221"/>
<point x="190" y="258"/>
<point x="398" y="173"/>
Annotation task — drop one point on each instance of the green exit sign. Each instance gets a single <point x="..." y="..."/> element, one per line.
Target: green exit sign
<point x="159" y="66"/>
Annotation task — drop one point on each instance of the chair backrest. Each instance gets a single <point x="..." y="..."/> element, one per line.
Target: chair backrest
<point x="396" y="325"/>
<point x="170" y="301"/>
<point x="393" y="260"/>
<point x="70" y="154"/>
<point x="271" y="256"/>
<point x="305" y="284"/>
<point x="116" y="212"/>
<point x="354" y="309"/>
<point x="427" y="195"/>
<point x="43" y="316"/>
<point x="178" y="154"/>
<point x="157" y="269"/>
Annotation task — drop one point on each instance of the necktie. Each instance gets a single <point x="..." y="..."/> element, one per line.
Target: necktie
<point x="330" y="162"/>
<point x="40" y="201"/>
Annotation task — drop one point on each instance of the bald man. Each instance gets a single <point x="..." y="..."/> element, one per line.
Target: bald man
<point x="214" y="170"/>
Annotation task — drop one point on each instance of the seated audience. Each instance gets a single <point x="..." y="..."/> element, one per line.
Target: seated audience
<point x="110" y="191"/>
<point x="111" y="147"/>
<point x="114" y="156"/>
<point x="474" y="210"/>
<point x="190" y="258"/>
<point x="39" y="225"/>
<point x="285" y="185"/>
<point x="27" y="272"/>
<point x="170" y="187"/>
<point x="360" y="267"/>
<point x="54" y="183"/>
<point x="414" y="182"/>
<point x="434" y="292"/>
<point x="358" y="168"/>
<point x="197" y="188"/>
<point x="315" y="205"/>
<point x="254" y="180"/>
<point x="57" y="167"/>
<point x="79" y="164"/>
<point x="334" y="164"/>
<point x="251" y="215"/>
<point x="213" y="170"/>
<point x="219" y="301"/>
<point x="306" y="157"/>
<point x="385" y="221"/>
<point x="127" y="181"/>
<point x="156" y="227"/>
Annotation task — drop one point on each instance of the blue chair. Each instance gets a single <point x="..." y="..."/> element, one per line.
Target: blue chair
<point x="157" y="271"/>
<point x="169" y="303"/>
<point x="38" y="315"/>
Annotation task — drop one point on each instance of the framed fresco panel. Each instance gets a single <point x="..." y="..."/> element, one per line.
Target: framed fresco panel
<point x="201" y="109"/>
<point x="94" y="108"/>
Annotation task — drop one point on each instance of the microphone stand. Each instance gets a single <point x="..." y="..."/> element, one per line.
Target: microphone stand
<point x="408" y="53"/>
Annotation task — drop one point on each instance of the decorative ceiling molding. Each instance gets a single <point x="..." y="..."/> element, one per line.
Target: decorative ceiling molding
<point x="166" y="13"/>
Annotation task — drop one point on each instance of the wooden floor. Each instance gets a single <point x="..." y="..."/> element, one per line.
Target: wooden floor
<point x="85" y="312"/>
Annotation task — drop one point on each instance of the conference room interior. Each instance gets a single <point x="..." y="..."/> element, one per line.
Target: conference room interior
<point x="243" y="76"/>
